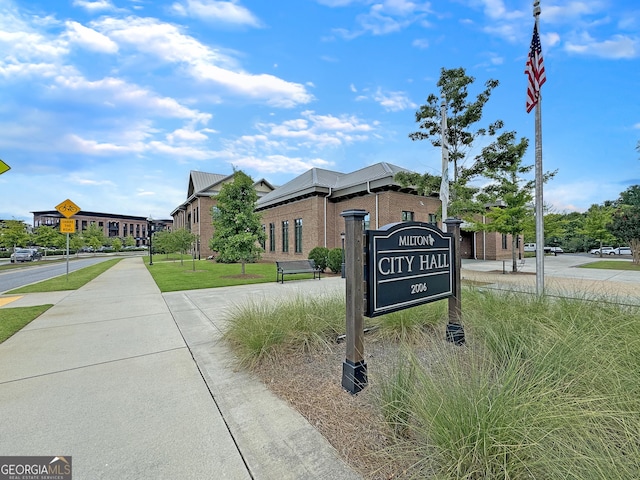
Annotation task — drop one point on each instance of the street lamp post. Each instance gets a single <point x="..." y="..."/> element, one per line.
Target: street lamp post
<point x="342" y="266"/>
<point x="150" y="222"/>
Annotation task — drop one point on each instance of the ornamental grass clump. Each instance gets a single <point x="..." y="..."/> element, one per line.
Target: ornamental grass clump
<point x="545" y="388"/>
<point x="260" y="331"/>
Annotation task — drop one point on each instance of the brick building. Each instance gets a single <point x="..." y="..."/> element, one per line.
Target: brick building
<point x="113" y="225"/>
<point x="195" y="213"/>
<point x="305" y="212"/>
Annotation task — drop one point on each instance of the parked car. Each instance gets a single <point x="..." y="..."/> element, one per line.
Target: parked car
<point x="554" y="249"/>
<point x="25" y="255"/>
<point x="529" y="247"/>
<point x="621" y="251"/>
<point x="605" y="251"/>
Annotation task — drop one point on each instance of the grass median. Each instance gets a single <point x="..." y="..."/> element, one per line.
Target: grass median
<point x="73" y="281"/>
<point x="14" y="319"/>
<point x="613" y="265"/>
<point x="174" y="275"/>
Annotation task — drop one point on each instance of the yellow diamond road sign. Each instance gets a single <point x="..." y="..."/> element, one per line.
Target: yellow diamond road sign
<point x="68" y="208"/>
<point x="67" y="225"/>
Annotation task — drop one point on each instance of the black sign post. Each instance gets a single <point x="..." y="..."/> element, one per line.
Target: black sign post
<point x="455" y="331"/>
<point x="354" y="368"/>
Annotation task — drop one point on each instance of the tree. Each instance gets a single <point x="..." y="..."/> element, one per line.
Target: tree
<point x="163" y="242"/>
<point x="76" y="242"/>
<point x="182" y="240"/>
<point x="596" y="222"/>
<point x="94" y="236"/>
<point x="508" y="192"/>
<point x="116" y="244"/>
<point x="129" y="241"/>
<point x="237" y="228"/>
<point x="462" y="116"/>
<point x="625" y="223"/>
<point x="13" y="233"/>
<point x="46" y="236"/>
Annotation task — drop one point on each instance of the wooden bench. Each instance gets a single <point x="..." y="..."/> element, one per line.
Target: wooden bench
<point x="290" y="267"/>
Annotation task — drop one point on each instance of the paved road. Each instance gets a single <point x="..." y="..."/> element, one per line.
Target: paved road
<point x="38" y="271"/>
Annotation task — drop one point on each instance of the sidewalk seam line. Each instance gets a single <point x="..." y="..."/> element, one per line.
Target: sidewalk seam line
<point x="93" y="365"/>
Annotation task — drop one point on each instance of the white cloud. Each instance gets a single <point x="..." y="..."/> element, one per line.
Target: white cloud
<point x="569" y="12"/>
<point x="189" y="135"/>
<point x="118" y="93"/>
<point x="167" y="43"/>
<point x="421" y="43"/>
<point x="217" y="11"/>
<point x="280" y="163"/>
<point x="496" y="10"/>
<point x="89" y="38"/>
<point x="619" y="46"/>
<point x="94" y="6"/>
<point x="393" y="101"/>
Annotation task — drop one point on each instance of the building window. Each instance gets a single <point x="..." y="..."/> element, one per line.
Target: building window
<point x="262" y="240"/>
<point x="433" y="218"/>
<point x="407" y="216"/>
<point x="298" y="235"/>
<point x="285" y="236"/>
<point x="272" y="237"/>
<point x="367" y="221"/>
<point x="504" y="241"/>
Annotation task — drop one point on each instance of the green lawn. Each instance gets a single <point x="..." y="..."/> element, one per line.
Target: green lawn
<point x="74" y="281"/>
<point x="13" y="319"/>
<point x="171" y="276"/>
<point x="613" y="265"/>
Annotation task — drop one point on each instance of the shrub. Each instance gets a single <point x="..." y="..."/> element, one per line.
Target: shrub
<point x="320" y="255"/>
<point x="335" y="260"/>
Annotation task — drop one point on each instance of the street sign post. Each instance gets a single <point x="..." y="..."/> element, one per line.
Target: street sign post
<point x="67" y="209"/>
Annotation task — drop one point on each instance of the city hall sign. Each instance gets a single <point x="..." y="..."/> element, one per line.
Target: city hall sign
<point x="407" y="264"/>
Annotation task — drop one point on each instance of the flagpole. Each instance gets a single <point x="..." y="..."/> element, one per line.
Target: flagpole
<point x="539" y="207"/>
<point x="444" y="182"/>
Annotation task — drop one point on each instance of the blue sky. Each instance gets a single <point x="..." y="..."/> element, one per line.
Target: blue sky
<point x="111" y="103"/>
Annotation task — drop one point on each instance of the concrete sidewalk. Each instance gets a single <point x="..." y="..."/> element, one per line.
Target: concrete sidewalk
<point x="135" y="384"/>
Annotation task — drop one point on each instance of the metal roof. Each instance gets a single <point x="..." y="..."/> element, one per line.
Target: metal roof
<point x="332" y="184"/>
<point x="201" y="181"/>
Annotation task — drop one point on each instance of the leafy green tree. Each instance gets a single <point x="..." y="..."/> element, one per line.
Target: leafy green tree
<point x="237" y="228"/>
<point x="129" y="241"/>
<point x="501" y="164"/>
<point x="462" y="117"/>
<point x="94" y="236"/>
<point x="13" y="233"/>
<point x="596" y="222"/>
<point x="163" y="242"/>
<point x="116" y="244"/>
<point x="76" y="242"/>
<point x="46" y="236"/>
<point x="625" y="223"/>
<point x="183" y="240"/>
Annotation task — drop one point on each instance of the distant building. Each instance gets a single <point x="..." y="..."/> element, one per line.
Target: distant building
<point x="112" y="224"/>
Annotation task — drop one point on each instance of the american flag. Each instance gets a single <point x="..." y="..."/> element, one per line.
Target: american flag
<point x="534" y="70"/>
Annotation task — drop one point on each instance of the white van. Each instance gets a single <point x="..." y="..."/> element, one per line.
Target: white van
<point x="529" y="247"/>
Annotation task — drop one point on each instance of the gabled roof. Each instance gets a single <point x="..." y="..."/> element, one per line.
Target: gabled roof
<point x="332" y="184"/>
<point x="199" y="182"/>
